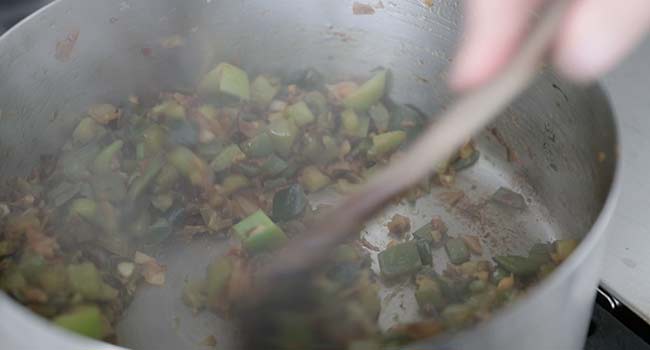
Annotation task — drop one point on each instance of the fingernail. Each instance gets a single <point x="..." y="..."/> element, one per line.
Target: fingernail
<point x="585" y="60"/>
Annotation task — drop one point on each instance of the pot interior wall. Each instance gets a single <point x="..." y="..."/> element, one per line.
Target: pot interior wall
<point x="555" y="145"/>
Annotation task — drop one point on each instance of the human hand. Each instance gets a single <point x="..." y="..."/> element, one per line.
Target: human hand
<point x="595" y="35"/>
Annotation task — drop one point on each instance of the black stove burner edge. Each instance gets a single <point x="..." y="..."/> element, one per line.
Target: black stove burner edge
<point x="623" y="314"/>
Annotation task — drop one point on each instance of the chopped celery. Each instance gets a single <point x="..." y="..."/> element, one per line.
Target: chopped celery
<point x="258" y="233"/>
<point x="229" y="156"/>
<point x="457" y="251"/>
<point x="283" y="133"/>
<point x="385" y="143"/>
<point x="400" y="260"/>
<point x="289" y="203"/>
<point x="313" y="179"/>
<point x="188" y="164"/>
<point x="104" y="160"/>
<point x="86" y="320"/>
<point x="263" y="90"/>
<point x="258" y="146"/>
<point x="380" y="117"/>
<point x="367" y="94"/>
<point x="300" y="114"/>
<point x="234" y="183"/>
<point x="226" y="79"/>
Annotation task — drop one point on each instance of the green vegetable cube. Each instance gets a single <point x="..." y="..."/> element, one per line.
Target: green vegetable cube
<point x="386" y="143"/>
<point x="258" y="233"/>
<point x="400" y="260"/>
<point x="367" y="94"/>
<point x="428" y="294"/>
<point x="85" y="320"/>
<point x="457" y="251"/>
<point x="226" y="79"/>
<point x="229" y="156"/>
<point x="263" y="90"/>
<point x="289" y="203"/>
<point x="300" y="114"/>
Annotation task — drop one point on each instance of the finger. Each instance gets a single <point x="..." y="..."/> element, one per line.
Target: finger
<point x="492" y="31"/>
<point x="597" y="34"/>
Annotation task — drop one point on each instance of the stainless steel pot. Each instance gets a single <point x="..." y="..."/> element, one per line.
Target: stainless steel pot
<point x="556" y="144"/>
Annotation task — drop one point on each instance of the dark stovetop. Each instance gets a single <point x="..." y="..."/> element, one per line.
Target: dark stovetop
<point x="613" y="326"/>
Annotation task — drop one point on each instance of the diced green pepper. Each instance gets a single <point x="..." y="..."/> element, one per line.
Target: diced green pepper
<point x="518" y="265"/>
<point x="226" y="79"/>
<point x="273" y="166"/>
<point x="84" y="208"/>
<point x="400" y="260"/>
<point x="258" y="146"/>
<point x="424" y="248"/>
<point x="258" y="233"/>
<point x="229" y="156"/>
<point x="300" y="113"/>
<point x="85" y="280"/>
<point x="104" y="159"/>
<point x="188" y="164"/>
<point x="385" y="143"/>
<point x="263" y="90"/>
<point x="217" y="278"/>
<point x="457" y="251"/>
<point x="380" y="117"/>
<point x="162" y="201"/>
<point x="367" y="94"/>
<point x="85" y="320"/>
<point x="289" y="203"/>
<point x="313" y="180"/>
<point x="283" y="133"/>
